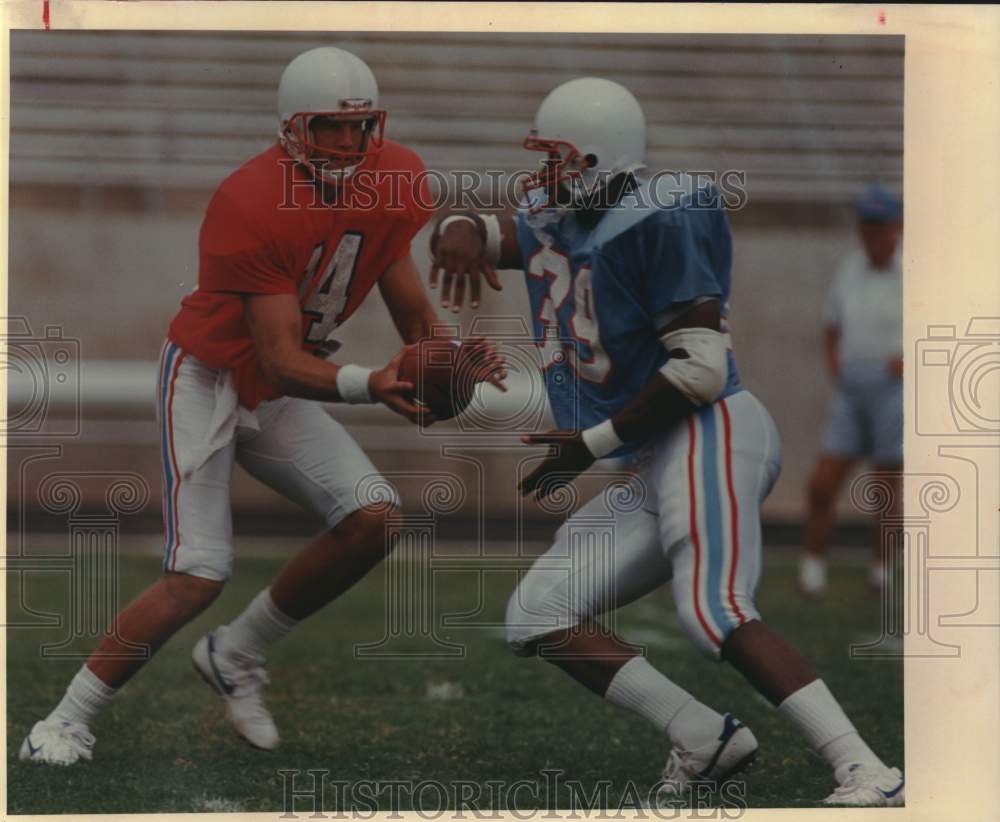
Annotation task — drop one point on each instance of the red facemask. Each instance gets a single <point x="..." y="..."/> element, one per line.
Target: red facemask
<point x="297" y="136"/>
<point x="564" y="164"/>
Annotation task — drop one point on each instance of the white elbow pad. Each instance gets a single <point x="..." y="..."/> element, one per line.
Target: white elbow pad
<point x="701" y="375"/>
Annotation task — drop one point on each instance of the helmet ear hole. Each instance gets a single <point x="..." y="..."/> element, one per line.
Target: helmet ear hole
<point x="600" y="118"/>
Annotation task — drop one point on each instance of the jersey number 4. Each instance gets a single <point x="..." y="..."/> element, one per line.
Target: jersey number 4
<point x="584" y="350"/>
<point x="326" y="304"/>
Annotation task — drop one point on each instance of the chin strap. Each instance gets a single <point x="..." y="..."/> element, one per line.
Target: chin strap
<point x="299" y="155"/>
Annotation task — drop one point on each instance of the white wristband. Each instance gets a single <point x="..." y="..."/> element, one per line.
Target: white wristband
<point x="352" y="384"/>
<point x="601" y="439"/>
<point x="447" y="221"/>
<point x="492" y="237"/>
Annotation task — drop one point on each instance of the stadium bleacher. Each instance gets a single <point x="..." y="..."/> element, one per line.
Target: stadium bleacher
<point x="808" y="118"/>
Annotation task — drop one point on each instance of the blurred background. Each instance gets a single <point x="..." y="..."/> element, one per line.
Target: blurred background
<point x="119" y="139"/>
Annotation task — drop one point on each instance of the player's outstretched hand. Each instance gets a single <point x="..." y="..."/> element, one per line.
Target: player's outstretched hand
<point x="568" y="457"/>
<point x="386" y="387"/>
<point x="460" y="262"/>
<point x="482" y="362"/>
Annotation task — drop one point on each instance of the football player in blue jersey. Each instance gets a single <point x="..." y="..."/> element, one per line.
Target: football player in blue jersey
<point x="628" y="281"/>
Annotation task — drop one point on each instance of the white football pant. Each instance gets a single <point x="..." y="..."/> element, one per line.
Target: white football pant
<point x="690" y="513"/>
<point x="291" y="445"/>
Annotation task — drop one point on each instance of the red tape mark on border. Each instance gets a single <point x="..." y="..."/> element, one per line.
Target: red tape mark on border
<point x="45" y="14"/>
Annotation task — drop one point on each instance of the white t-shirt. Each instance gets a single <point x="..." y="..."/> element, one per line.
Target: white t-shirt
<point x="866" y="304"/>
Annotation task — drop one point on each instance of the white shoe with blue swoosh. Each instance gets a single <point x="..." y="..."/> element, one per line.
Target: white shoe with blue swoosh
<point x="241" y="687"/>
<point x="869" y="786"/>
<point x="718" y="761"/>
<point x="56" y="742"/>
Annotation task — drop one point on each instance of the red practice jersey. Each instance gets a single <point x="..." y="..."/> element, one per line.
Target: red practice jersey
<point x="266" y="231"/>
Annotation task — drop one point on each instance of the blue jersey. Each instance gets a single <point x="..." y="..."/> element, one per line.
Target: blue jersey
<point x="597" y="296"/>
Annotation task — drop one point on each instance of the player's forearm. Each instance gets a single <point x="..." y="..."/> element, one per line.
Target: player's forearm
<point x="510" y="250"/>
<point x="418" y="325"/>
<point x="655" y="409"/>
<point x="300" y="374"/>
<point x="405" y="297"/>
<point x="694" y="375"/>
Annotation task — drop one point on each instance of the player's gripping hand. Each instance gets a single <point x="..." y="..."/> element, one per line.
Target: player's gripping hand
<point x="386" y="387"/>
<point x="567" y="458"/>
<point x="460" y="258"/>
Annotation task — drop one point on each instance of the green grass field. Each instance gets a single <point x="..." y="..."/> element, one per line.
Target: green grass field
<point x="165" y="744"/>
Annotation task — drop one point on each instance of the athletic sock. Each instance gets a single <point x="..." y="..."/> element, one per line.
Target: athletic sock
<point x="812" y="574"/>
<point x="84" y="699"/>
<point x="639" y="687"/>
<point x="258" y="626"/>
<point x="827" y="727"/>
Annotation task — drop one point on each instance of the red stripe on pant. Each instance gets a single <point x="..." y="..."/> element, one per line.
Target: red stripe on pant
<point x="733" y="511"/>
<point x="694" y="535"/>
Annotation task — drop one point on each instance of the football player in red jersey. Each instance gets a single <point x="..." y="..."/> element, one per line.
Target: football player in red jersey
<point x="291" y="244"/>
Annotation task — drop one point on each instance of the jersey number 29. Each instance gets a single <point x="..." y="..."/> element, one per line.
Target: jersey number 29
<point x="548" y="264"/>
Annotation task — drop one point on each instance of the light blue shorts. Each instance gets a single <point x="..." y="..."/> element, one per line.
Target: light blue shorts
<point x="866" y="415"/>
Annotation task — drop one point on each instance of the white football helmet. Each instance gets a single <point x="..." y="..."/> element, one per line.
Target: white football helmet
<point x="330" y="83"/>
<point x="590" y="129"/>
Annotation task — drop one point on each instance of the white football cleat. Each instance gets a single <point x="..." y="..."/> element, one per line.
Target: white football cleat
<point x="242" y="689"/>
<point x="57" y="742"/>
<point x="722" y="758"/>
<point x="870" y="786"/>
<point x="812" y="576"/>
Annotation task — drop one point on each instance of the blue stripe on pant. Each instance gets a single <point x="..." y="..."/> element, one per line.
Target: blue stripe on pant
<point x="714" y="523"/>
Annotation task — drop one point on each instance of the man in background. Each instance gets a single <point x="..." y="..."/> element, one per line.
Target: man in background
<point x="863" y="339"/>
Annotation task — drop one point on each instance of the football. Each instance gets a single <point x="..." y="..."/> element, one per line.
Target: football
<point x="440" y="384"/>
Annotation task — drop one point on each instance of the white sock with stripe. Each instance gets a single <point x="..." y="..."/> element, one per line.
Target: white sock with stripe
<point x="827" y="727"/>
<point x="258" y="626"/>
<point x="84" y="699"/>
<point x="639" y="687"/>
